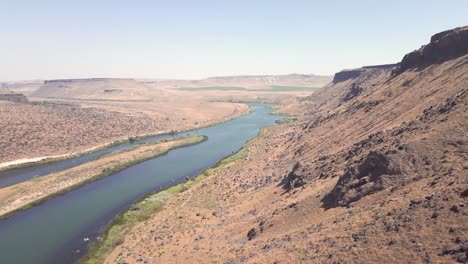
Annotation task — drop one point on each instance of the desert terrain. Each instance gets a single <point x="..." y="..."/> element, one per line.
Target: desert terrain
<point x="245" y="81"/>
<point x="61" y="117"/>
<point x="373" y="171"/>
<point x="234" y="132"/>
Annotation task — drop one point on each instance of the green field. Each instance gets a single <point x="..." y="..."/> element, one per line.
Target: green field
<point x="273" y="88"/>
<point x="212" y="88"/>
<point x="278" y="88"/>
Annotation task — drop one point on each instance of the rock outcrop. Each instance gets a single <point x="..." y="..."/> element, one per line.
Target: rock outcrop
<point x="444" y="46"/>
<point x="90" y="80"/>
<point x="346" y="75"/>
<point x="367" y="177"/>
<point x="299" y="175"/>
<point x="354" y="91"/>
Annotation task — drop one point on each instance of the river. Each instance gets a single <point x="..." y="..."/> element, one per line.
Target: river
<point x="14" y="176"/>
<point x="54" y="232"/>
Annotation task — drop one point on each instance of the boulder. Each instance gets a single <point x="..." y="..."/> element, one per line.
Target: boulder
<point x="367" y="177"/>
<point x="354" y="91"/>
<point x="299" y="175"/>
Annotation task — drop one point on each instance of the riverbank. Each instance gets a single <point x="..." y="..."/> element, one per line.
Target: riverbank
<point x="197" y="221"/>
<point x="30" y="162"/>
<point x="56" y="129"/>
<point x="141" y="211"/>
<point x="35" y="191"/>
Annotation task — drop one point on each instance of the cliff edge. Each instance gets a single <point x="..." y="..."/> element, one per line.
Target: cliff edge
<point x="443" y="46"/>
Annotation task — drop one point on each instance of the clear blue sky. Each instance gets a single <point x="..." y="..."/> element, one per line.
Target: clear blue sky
<point x="47" y="39"/>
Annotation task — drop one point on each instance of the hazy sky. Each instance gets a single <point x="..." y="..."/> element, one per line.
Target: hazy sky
<point x="41" y="39"/>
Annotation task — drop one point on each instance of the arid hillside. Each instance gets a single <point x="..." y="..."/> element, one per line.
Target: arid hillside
<point x="374" y="171"/>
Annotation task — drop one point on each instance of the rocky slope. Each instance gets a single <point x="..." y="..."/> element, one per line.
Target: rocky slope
<point x="374" y="171"/>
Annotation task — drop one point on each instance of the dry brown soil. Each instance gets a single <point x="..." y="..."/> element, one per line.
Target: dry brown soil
<point x="375" y="171"/>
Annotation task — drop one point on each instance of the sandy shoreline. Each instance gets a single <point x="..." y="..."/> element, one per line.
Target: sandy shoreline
<point x="34" y="191"/>
<point x="38" y="159"/>
<point x="71" y="154"/>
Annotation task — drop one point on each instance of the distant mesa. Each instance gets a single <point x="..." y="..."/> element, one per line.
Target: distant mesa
<point x="86" y="80"/>
<point x="112" y="91"/>
<point x="23" y="87"/>
<point x="96" y="89"/>
<point x="6" y="95"/>
<point x="259" y="81"/>
<point x="345" y="75"/>
<point x="150" y="89"/>
<point x="247" y="81"/>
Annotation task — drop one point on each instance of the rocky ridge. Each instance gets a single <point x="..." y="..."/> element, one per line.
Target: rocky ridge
<point x="444" y="46"/>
